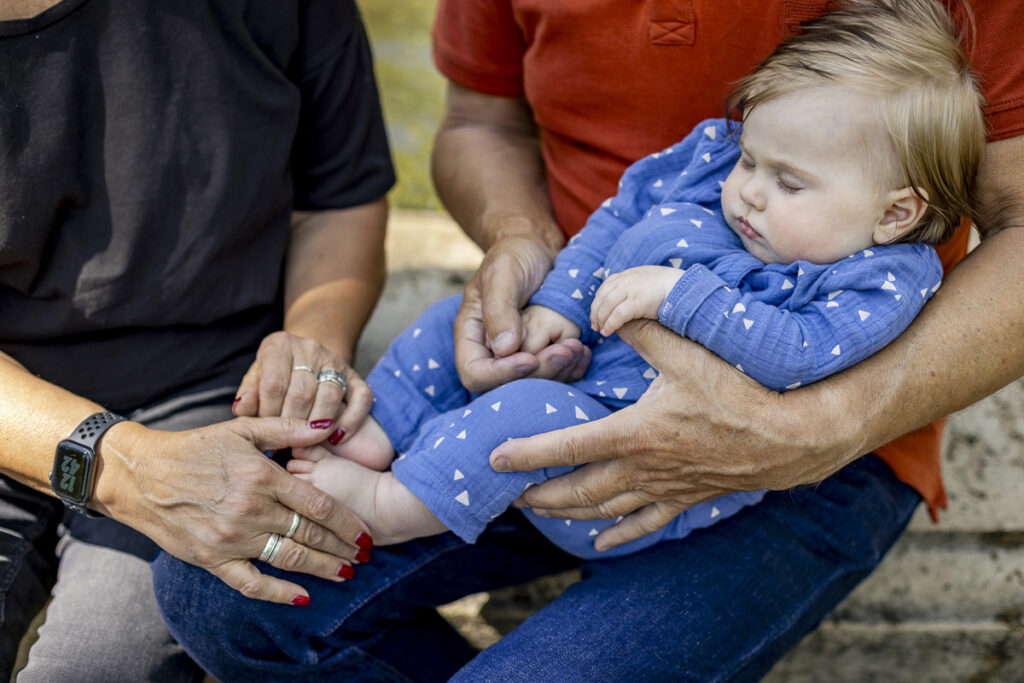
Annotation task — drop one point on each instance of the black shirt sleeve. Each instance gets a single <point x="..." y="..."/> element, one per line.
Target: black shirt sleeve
<point x="341" y="156"/>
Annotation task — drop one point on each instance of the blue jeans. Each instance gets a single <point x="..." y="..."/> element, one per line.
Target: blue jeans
<point x="724" y="603"/>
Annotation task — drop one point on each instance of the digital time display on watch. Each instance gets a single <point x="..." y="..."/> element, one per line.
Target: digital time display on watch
<point x="71" y="472"/>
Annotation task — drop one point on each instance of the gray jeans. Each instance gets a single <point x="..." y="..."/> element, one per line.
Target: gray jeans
<point x="102" y="623"/>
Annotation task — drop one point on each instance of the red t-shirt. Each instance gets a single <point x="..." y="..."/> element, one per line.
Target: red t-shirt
<point x="612" y="82"/>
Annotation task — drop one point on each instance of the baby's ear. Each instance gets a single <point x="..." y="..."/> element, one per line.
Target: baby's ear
<point x="903" y="212"/>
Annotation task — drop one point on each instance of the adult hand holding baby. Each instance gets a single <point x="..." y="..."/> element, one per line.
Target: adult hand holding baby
<point x="702" y="429"/>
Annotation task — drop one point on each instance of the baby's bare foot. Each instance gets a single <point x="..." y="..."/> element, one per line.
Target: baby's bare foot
<point x="369" y="446"/>
<point x="392" y="512"/>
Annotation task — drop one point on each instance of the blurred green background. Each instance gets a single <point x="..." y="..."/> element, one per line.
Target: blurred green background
<point x="412" y="91"/>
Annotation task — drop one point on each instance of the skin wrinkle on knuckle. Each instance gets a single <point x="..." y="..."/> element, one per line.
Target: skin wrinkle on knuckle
<point x="295" y="557"/>
<point x="321" y="506"/>
<point x="315" y="535"/>
<point x="251" y="588"/>
<point x="274" y="385"/>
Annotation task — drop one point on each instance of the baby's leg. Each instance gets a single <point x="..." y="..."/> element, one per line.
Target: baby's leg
<point x="413" y="382"/>
<point x="447" y="466"/>
<point x="391" y="511"/>
<point x="416" y="379"/>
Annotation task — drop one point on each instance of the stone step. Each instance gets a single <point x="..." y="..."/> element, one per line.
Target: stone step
<point x="908" y="652"/>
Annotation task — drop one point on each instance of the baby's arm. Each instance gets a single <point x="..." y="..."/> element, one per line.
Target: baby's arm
<point x="543" y="327"/>
<point x="579" y="269"/>
<point x="787" y="328"/>
<point x="631" y="294"/>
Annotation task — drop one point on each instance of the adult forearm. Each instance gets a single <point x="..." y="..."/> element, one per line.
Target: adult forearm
<point x="334" y="275"/>
<point x="34" y="416"/>
<point x="967" y="343"/>
<point x="488" y="170"/>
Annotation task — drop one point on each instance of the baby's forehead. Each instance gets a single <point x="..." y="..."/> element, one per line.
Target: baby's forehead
<point x="814" y="127"/>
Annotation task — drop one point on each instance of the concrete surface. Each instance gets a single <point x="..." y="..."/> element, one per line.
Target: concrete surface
<point x="946" y="605"/>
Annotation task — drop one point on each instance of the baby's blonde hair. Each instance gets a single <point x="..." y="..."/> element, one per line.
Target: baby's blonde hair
<point x="907" y="53"/>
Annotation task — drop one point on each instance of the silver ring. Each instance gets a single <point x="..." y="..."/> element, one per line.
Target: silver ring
<point x="270" y="549"/>
<point x="303" y="367"/>
<point x="296" y="518"/>
<point x="328" y="375"/>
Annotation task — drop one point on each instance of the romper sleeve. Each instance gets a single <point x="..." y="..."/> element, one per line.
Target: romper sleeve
<point x="579" y="269"/>
<point x="785" y="326"/>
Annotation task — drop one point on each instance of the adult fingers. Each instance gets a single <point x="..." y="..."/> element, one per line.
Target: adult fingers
<point x="247" y="580"/>
<point x="299" y="556"/>
<point x="275" y="362"/>
<point x="575" y="445"/>
<point x="659" y="346"/>
<point x="323" y="511"/>
<point x="358" y="403"/>
<point x="646" y="520"/>
<point x="501" y="297"/>
<point x="565" y="361"/>
<point x="247" y="398"/>
<point x="596" y="491"/>
<point x="331" y="386"/>
<point x="478" y="368"/>
<point x="348" y="530"/>
<point x="301" y="395"/>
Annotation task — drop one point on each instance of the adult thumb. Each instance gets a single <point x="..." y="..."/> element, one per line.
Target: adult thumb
<point x="662" y="348"/>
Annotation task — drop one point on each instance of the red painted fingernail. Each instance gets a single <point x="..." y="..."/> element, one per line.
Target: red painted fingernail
<point x="321" y="424"/>
<point x="346" y="571"/>
<point x="337" y="436"/>
<point x="363" y="540"/>
<point x="234" y="404"/>
<point x="300" y="600"/>
<point x="362" y="555"/>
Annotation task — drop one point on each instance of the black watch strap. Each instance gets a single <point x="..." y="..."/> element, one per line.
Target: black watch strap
<point x="89" y="433"/>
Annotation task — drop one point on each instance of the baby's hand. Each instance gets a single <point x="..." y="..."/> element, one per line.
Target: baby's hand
<point x="632" y="294"/>
<point x="543" y="327"/>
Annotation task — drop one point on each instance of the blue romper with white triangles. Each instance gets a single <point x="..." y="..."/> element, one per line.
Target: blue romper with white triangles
<point x="782" y="324"/>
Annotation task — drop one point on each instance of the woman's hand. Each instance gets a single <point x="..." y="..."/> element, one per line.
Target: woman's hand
<point x="212" y="498"/>
<point x="290" y="378"/>
<point x="701" y="430"/>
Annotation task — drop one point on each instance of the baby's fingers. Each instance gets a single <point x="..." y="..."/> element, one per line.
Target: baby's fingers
<point x="300" y="466"/>
<point x="608" y="297"/>
<point x="619" y="316"/>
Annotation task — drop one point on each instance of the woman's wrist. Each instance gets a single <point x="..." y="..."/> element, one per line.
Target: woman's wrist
<point x="115" y="490"/>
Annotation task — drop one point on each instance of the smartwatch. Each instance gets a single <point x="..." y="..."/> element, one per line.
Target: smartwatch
<point x="74" y="465"/>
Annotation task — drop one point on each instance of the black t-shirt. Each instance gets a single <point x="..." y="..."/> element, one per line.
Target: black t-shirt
<point x="151" y="152"/>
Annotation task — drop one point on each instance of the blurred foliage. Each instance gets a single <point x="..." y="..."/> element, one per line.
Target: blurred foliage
<point x="412" y="91"/>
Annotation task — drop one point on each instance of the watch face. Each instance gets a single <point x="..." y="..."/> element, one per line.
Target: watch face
<point x="71" y="471"/>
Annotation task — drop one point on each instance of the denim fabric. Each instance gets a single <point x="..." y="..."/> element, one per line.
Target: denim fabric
<point x="724" y="603"/>
<point x="28" y="566"/>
